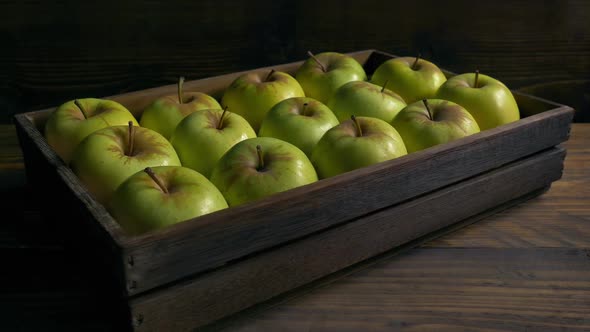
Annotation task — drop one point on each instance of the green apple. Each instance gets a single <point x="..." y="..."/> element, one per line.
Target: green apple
<point x="259" y="167"/>
<point x="431" y="122"/>
<point x="71" y="122"/>
<point x="362" y="98"/>
<point x="300" y="121"/>
<point x="322" y="74"/>
<point x="356" y="143"/>
<point x="253" y="94"/>
<point x="489" y="101"/>
<point x="203" y="137"/>
<point x="160" y="196"/>
<point x="107" y="157"/>
<point x="413" y="79"/>
<point x="164" y="114"/>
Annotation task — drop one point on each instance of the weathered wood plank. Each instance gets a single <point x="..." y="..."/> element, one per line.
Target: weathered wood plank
<point x="215" y="294"/>
<point x="62" y="55"/>
<point x="560" y="218"/>
<point x="218" y="238"/>
<point x="53" y="304"/>
<point x="68" y="208"/>
<point x="436" y="289"/>
<point x="213" y="240"/>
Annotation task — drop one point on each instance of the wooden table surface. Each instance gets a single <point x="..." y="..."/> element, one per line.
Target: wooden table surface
<point x="524" y="269"/>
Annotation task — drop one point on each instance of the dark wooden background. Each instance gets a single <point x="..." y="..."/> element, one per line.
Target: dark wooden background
<point x="53" y="51"/>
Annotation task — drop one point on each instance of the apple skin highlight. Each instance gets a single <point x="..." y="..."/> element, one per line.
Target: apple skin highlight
<point x="342" y="150"/>
<point x="241" y="179"/>
<point x="411" y="82"/>
<point x="321" y="84"/>
<point x="491" y="103"/>
<point x="140" y="205"/>
<point x="419" y="131"/>
<point x="300" y="121"/>
<point x="252" y="95"/>
<point x="102" y="164"/>
<point x="74" y="120"/>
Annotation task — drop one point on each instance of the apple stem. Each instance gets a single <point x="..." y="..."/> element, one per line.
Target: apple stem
<point x="220" y="124"/>
<point x="260" y="159"/>
<point x="304" y="109"/>
<point x="180" y="83"/>
<point x="156" y="179"/>
<point x="427" y="108"/>
<point x="357" y="124"/>
<point x="317" y="61"/>
<point x="130" y="139"/>
<point x="272" y="71"/>
<point x="77" y="102"/>
<point x="416" y="61"/>
<point x="384" y="85"/>
<point x="476" y="78"/>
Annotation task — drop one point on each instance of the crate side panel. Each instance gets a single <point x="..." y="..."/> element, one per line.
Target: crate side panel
<point x="214" y="295"/>
<point x="192" y="247"/>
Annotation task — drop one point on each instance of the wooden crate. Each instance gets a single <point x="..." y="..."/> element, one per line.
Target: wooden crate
<point x="195" y="272"/>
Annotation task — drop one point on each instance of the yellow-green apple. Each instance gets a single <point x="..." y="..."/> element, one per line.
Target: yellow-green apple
<point x="107" y="157"/>
<point x="164" y="113"/>
<point x="362" y="98"/>
<point x="356" y="143"/>
<point x="489" y="101"/>
<point x="259" y="167"/>
<point x="300" y="121"/>
<point x="203" y="137"/>
<point x="322" y="74"/>
<point x="71" y="122"/>
<point x="430" y="122"/>
<point x="253" y="94"/>
<point x="413" y="79"/>
<point x="161" y="196"/>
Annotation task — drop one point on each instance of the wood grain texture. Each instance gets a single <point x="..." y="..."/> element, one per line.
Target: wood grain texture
<point x="59" y="305"/>
<point x="215" y="294"/>
<point x="11" y="156"/>
<point x="218" y="238"/>
<point x="574" y="93"/>
<point x="11" y="161"/>
<point x="567" y="200"/>
<point x="210" y="241"/>
<point x="560" y="218"/>
<point x="65" y="53"/>
<point x="69" y="208"/>
<point x="512" y="40"/>
<point x="435" y="289"/>
<point x="51" y="175"/>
